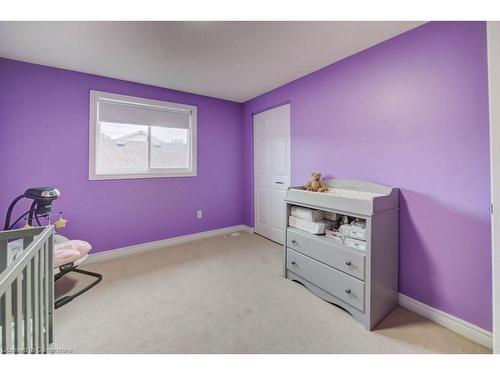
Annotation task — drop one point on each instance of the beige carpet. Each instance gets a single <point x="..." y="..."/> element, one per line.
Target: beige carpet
<point x="226" y="295"/>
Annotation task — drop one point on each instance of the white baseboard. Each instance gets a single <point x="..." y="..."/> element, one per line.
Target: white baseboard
<point x="156" y="245"/>
<point x="248" y="229"/>
<point x="466" y="329"/>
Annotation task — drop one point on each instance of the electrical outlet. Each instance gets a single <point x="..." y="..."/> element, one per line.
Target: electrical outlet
<point x="199" y="214"/>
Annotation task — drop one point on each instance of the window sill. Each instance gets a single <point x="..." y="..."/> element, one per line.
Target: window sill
<point x="94" y="177"/>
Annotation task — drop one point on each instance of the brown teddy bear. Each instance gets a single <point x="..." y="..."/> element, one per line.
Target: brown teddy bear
<point x="316" y="184"/>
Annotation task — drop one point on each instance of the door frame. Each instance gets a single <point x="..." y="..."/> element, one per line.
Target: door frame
<point x="493" y="47"/>
<point x="255" y="159"/>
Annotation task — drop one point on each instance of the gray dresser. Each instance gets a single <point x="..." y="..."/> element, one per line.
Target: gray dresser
<point x="363" y="282"/>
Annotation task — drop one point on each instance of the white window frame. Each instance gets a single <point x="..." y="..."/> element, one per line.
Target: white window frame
<point x="97" y="96"/>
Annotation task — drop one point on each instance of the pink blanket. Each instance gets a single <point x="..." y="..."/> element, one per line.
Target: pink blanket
<point x="70" y="251"/>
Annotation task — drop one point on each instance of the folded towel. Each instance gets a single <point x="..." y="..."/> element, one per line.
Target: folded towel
<point x="306" y="225"/>
<point x="307" y="214"/>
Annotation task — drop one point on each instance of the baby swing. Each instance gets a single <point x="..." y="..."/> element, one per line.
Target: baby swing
<point x="68" y="254"/>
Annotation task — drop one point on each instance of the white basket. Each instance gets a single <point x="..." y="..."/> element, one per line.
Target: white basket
<point x="307" y="214"/>
<point x="308" y="226"/>
<point x="353" y="231"/>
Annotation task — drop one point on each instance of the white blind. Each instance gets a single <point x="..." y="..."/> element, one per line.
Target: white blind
<point x="124" y="113"/>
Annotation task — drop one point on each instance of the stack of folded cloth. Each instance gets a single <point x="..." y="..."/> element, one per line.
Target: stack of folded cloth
<point x="312" y="221"/>
<point x="354" y="234"/>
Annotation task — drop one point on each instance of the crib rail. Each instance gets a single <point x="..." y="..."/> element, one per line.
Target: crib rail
<point x="27" y="292"/>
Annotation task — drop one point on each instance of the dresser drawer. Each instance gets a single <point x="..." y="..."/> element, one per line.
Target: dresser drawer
<point x="342" y="286"/>
<point x="327" y="251"/>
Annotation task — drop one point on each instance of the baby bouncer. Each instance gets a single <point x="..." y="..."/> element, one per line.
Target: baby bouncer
<point x="68" y="254"/>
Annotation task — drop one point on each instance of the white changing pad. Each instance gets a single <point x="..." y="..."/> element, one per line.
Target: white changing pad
<point x="345" y="193"/>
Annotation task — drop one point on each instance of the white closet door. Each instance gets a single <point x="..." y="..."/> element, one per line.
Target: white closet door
<point x="271" y="171"/>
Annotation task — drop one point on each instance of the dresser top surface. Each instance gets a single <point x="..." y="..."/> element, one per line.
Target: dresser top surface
<point x="353" y="196"/>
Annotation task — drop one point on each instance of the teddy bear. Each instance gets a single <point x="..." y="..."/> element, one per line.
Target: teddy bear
<point x="316" y="184"/>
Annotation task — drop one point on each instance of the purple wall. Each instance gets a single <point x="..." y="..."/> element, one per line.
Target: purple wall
<point x="411" y="112"/>
<point x="44" y="120"/>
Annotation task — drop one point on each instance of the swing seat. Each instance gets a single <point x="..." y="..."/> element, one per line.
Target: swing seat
<point x="70" y="251"/>
<point x="68" y="255"/>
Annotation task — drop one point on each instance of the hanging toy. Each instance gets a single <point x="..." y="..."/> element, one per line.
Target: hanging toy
<point x="61" y="222"/>
<point x="26" y="223"/>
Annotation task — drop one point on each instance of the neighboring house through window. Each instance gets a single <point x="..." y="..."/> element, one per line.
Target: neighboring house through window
<point x="140" y="138"/>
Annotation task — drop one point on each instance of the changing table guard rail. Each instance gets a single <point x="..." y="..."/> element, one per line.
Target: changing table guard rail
<point x="350" y="196"/>
<point x="27" y="291"/>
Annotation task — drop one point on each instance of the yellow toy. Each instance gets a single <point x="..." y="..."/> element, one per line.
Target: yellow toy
<point x="60" y="223"/>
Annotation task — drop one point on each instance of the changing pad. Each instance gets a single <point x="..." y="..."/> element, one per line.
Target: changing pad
<point x="347" y="196"/>
<point x="345" y="193"/>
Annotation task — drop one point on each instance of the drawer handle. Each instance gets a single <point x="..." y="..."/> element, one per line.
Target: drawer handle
<point x="293" y="263"/>
<point x="348" y="263"/>
<point x="348" y="291"/>
<point x="295" y="242"/>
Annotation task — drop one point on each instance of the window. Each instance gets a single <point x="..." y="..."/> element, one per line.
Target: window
<point x="140" y="138"/>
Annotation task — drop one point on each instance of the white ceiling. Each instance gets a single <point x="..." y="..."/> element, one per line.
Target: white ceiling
<point x="228" y="60"/>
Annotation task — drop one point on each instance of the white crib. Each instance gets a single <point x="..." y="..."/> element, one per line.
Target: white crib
<point x="26" y="290"/>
